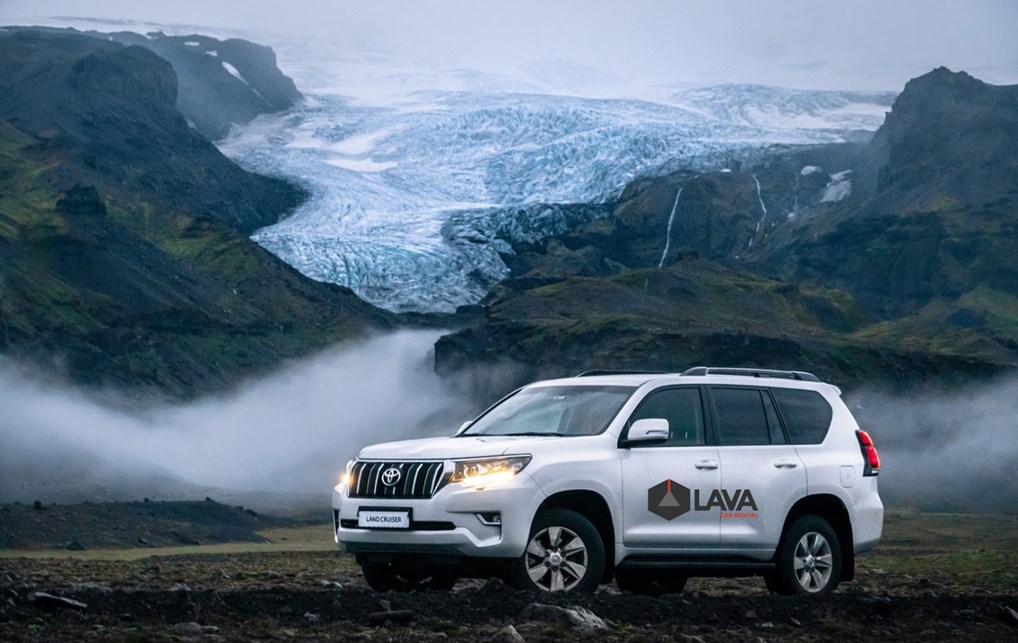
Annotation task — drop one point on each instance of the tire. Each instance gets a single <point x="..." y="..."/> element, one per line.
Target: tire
<point x="384" y="577"/>
<point x="650" y="582"/>
<point x="808" y="560"/>
<point x="564" y="553"/>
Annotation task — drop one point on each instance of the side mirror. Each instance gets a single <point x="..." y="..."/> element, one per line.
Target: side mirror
<point x="463" y="427"/>
<point x="647" y="431"/>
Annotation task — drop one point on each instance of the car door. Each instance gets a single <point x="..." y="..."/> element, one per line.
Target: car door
<point x="762" y="475"/>
<point x="661" y="481"/>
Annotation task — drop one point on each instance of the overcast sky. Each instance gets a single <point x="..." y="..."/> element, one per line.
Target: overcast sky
<point x="850" y="44"/>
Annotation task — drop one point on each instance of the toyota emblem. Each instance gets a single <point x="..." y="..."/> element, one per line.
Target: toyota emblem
<point x="391" y="476"/>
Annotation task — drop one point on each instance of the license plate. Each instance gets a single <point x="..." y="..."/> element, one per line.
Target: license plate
<point x="383" y="519"/>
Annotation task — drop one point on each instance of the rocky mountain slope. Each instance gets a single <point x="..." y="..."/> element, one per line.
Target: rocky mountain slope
<point x="124" y="255"/>
<point x="220" y="83"/>
<point x="904" y="248"/>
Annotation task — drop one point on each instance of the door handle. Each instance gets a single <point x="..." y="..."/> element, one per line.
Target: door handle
<point x="786" y="464"/>
<point x="707" y="464"/>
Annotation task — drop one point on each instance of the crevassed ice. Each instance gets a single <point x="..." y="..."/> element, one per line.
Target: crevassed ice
<point x="413" y="207"/>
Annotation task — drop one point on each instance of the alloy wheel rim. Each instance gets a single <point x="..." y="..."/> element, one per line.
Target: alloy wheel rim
<point x="556" y="559"/>
<point x="813" y="562"/>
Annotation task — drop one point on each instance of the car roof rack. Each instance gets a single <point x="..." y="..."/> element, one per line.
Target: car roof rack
<point x="802" y="376"/>
<point x="596" y="372"/>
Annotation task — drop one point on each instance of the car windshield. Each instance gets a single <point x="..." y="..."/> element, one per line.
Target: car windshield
<point x="553" y="410"/>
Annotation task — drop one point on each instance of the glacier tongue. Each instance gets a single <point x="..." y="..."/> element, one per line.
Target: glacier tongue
<point x="412" y="207"/>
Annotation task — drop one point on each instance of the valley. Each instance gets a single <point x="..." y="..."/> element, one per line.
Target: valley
<point x="231" y="257"/>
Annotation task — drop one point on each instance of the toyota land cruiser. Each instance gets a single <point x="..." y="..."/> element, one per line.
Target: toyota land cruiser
<point x="645" y="478"/>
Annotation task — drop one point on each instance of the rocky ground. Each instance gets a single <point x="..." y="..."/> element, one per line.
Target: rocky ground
<point x="937" y="577"/>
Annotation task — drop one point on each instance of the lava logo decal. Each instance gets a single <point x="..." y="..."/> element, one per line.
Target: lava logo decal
<point x="668" y="499"/>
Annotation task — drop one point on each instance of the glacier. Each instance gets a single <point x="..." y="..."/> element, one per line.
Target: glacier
<point x="414" y="205"/>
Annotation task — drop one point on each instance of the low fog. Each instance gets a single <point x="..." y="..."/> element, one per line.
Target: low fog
<point x="286" y="436"/>
<point x="953" y="450"/>
<point x="859" y="44"/>
<point x="280" y="442"/>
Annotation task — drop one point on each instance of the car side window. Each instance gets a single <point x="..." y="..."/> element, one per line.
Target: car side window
<point x="682" y="408"/>
<point x="807" y="415"/>
<point x="741" y="417"/>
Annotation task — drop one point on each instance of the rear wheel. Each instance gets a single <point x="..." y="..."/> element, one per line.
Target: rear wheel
<point x="808" y="560"/>
<point x="384" y="577"/>
<point x="564" y="553"/>
<point x="651" y="582"/>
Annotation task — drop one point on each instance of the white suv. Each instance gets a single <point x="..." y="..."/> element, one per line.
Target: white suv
<point x="650" y="478"/>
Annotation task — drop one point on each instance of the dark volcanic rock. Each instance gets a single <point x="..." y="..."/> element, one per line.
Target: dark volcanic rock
<point x="949" y="134"/>
<point x="398" y="617"/>
<point x="220" y="83"/>
<point x="942" y="222"/>
<point x="210" y="96"/>
<point x="81" y="201"/>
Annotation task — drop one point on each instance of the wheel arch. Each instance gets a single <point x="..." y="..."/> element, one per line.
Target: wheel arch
<point x="832" y="509"/>
<point x="592" y="506"/>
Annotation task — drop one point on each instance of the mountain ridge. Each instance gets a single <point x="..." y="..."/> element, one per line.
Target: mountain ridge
<point x="221" y="83"/>
<point x="124" y="256"/>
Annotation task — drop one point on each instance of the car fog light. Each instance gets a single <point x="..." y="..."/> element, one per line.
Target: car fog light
<point x="490" y="518"/>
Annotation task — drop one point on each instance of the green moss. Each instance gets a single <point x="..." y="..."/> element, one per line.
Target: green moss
<point x="196" y="307"/>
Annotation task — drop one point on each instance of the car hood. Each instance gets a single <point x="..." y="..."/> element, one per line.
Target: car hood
<point x="453" y="448"/>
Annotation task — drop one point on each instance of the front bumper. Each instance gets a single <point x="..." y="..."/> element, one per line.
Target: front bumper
<point x="450" y="522"/>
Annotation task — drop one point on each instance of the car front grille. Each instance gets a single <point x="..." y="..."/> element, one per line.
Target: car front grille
<point x="415" y="479"/>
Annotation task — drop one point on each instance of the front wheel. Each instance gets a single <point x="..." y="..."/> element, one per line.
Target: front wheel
<point x="564" y="554"/>
<point x="808" y="560"/>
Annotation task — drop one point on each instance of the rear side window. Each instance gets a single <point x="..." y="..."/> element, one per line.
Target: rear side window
<point x="741" y="416"/>
<point x="807" y="415"/>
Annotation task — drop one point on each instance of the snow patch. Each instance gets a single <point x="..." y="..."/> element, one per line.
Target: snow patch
<point x="360" y="144"/>
<point x="212" y="52"/>
<point x="233" y="72"/>
<point x="191" y="43"/>
<point x="362" y="165"/>
<point x="839" y="187"/>
<point x="809" y="169"/>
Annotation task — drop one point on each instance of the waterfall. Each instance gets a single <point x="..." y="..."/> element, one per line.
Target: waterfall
<point x="668" y="233"/>
<point x="759" y="224"/>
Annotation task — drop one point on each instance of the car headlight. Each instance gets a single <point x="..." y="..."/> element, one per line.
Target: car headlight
<point x="346" y="477"/>
<point x="472" y="473"/>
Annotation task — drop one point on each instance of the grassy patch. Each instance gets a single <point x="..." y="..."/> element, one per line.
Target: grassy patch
<point x="957" y="551"/>
<point x="314" y="538"/>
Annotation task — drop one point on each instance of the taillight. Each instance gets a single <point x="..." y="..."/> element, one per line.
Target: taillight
<point x="869" y="454"/>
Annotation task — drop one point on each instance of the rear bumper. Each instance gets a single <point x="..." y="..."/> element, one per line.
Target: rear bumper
<point x="868" y="520"/>
<point x="448" y="523"/>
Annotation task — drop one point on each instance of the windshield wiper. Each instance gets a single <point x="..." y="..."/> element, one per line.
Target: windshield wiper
<point x="528" y="433"/>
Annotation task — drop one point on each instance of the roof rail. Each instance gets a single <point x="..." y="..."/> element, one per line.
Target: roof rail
<point x="752" y="372"/>
<point x="610" y="372"/>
